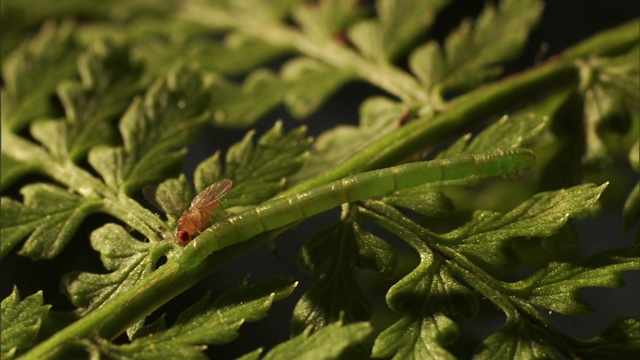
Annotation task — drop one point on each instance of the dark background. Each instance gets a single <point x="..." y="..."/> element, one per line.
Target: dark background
<point x="564" y="23"/>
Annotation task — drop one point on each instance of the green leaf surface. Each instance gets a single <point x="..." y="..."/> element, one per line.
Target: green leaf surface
<point x="426" y="297"/>
<point x="634" y="156"/>
<point x="423" y="297"/>
<point x="65" y="85"/>
<point x="400" y="23"/>
<point x="421" y="200"/>
<point x="207" y="172"/>
<point x="259" y="170"/>
<point x="485" y="237"/>
<point x="432" y="289"/>
<point x="303" y="73"/>
<point x="471" y="53"/>
<point x="326" y="343"/>
<point x="509" y="131"/>
<point x="263" y="90"/>
<point x="109" y="79"/>
<point x="12" y="169"/>
<point x="127" y="259"/>
<point x="205" y="323"/>
<point x="557" y="287"/>
<point x="631" y="211"/>
<point x="242" y="106"/>
<point x="242" y="54"/>
<point x="168" y="117"/>
<point x="48" y="218"/>
<point x="254" y="355"/>
<point x="621" y="339"/>
<point x="163" y="46"/>
<point x="417" y="338"/>
<point x="610" y="88"/>
<point x="326" y="20"/>
<point x="337" y="295"/>
<point x="378" y="117"/>
<point x="521" y="339"/>
<point x="173" y="196"/>
<point x="350" y="240"/>
<point x="373" y="253"/>
<point x="21" y="321"/>
<point x="48" y="57"/>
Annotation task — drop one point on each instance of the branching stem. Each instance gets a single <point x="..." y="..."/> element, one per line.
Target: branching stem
<point x="171" y="279"/>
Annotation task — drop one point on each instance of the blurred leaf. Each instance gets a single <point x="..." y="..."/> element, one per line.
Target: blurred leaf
<point x="172" y="196"/>
<point x="634" y="156"/>
<point x="242" y="54"/>
<point x="472" y="55"/>
<point x="378" y="117"/>
<point x="325" y="20"/>
<point x="631" y="212"/>
<point x="108" y="81"/>
<point x="400" y="24"/>
<point x="304" y="73"/>
<point x="620" y="339"/>
<point x="208" y="172"/>
<point x="48" y="57"/>
<point x="263" y="90"/>
<point x="12" y="169"/>
<point x="611" y="94"/>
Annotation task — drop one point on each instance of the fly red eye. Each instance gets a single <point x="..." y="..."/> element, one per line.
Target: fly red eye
<point x="183" y="237"/>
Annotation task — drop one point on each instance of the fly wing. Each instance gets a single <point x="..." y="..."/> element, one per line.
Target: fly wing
<point x="164" y="201"/>
<point x="210" y="197"/>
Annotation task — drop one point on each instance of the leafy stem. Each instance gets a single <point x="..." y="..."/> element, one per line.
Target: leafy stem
<point x="172" y="278"/>
<point x="384" y="75"/>
<point x="150" y="293"/>
<point x="330" y="45"/>
<point x="79" y="180"/>
<point x="553" y="77"/>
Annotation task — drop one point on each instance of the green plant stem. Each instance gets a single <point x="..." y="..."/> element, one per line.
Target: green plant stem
<point x="150" y="293"/>
<point x="459" y="265"/>
<point x="139" y="218"/>
<point x="75" y="178"/>
<point x="383" y="75"/>
<point x="171" y="279"/>
<point x="486" y="285"/>
<point x="557" y="74"/>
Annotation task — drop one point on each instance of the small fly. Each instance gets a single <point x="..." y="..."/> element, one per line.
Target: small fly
<point x="192" y="221"/>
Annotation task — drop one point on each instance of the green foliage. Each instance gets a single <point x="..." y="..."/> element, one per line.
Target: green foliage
<point x="259" y="171"/>
<point x="21" y="321"/>
<point x="201" y="323"/>
<point x="100" y="101"/>
<point x="471" y="53"/>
